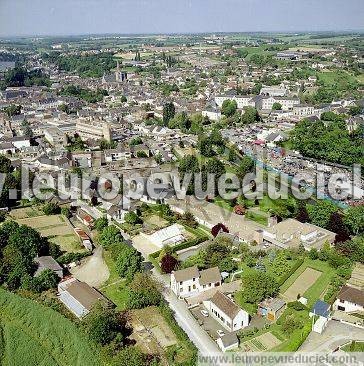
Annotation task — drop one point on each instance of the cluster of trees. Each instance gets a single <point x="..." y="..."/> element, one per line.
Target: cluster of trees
<point x="329" y="141"/>
<point x="326" y="214"/>
<point x="210" y="145"/>
<point x="234" y="117"/>
<point x="191" y="164"/>
<point x="189" y="124"/>
<point x="75" y="143"/>
<point x="218" y="253"/>
<point x="85" y="65"/>
<point x="12" y="182"/>
<point x="21" y="77"/>
<point x="88" y="95"/>
<point x="19" y="245"/>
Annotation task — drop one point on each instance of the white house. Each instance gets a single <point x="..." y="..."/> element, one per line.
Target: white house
<point x="349" y="300"/>
<point x="190" y="281"/>
<point x="226" y="312"/>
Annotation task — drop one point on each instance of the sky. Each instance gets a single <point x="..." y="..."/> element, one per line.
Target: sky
<point x="72" y="17"/>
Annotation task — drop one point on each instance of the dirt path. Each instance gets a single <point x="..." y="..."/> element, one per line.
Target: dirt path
<point x="94" y="270"/>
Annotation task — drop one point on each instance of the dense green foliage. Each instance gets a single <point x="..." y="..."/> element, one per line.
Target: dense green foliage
<point x="329" y="141"/>
<point x="21" y="77"/>
<point x="88" y="95"/>
<point x="86" y="65"/>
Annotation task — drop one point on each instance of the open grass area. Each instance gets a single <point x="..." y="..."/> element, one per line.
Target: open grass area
<point x="317" y="290"/>
<point x="115" y="287"/>
<point x="36" y="335"/>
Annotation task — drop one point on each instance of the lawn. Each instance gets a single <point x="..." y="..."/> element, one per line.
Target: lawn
<point x="317" y="290"/>
<point x="36" y="335"/>
<point x="115" y="287"/>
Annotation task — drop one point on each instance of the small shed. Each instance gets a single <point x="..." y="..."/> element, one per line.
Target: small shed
<point x="272" y="308"/>
<point x="320" y="308"/>
<point x="228" y="342"/>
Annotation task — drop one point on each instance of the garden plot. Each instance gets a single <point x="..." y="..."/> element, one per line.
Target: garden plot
<point x="56" y="229"/>
<point x="157" y="326"/>
<point x="306" y="279"/>
<point x="264" y="342"/>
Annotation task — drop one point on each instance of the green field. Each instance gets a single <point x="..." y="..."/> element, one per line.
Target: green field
<point x="33" y="335"/>
<point x="317" y="290"/>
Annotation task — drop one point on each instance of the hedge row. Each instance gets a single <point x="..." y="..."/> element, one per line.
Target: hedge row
<point x="286" y="276"/>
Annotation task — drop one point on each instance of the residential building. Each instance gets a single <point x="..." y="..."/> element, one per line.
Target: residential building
<point x="85" y="239"/>
<point x="88" y="128"/>
<point x="226" y="312"/>
<point x="290" y="233"/>
<point x="190" y="281"/>
<point x="55" y="136"/>
<point x="274" y="91"/>
<point x="349" y="299"/>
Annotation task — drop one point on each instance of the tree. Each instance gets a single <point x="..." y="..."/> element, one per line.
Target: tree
<point x="302" y="214"/>
<point x="51" y="208"/>
<point x="168" y="263"/>
<point x="250" y="115"/>
<point x="246" y="166"/>
<point x="132" y="218"/>
<point x="229" y="107"/>
<point x="144" y="291"/>
<point x="291" y="323"/>
<point x="217" y="228"/>
<point x="65" y="211"/>
<point x="257" y="286"/>
<point x="128" y="262"/>
<point x="320" y="212"/>
<point x="105" y="325"/>
<point x="110" y="235"/>
<point x="169" y="111"/>
<point x="354" y="219"/>
<point x="353" y="249"/>
<point x="130" y="356"/>
<point x="189" y="220"/>
<point x="337" y="226"/>
<point x="46" y="280"/>
<point x="276" y="106"/>
<point x="216" y="251"/>
<point x="13" y="110"/>
<point x="101" y="223"/>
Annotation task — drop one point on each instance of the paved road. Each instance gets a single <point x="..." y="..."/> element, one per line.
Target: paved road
<point x="94" y="270"/>
<point x="186" y="320"/>
<point x="336" y="334"/>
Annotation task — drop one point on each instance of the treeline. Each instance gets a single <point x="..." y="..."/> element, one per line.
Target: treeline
<point x="329" y="140"/>
<point x="21" y="77"/>
<point x="85" y="66"/>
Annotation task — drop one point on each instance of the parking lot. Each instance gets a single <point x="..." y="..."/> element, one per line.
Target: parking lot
<point x="209" y="324"/>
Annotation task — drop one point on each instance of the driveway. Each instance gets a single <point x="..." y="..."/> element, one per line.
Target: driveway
<point x="335" y="334"/>
<point x="93" y="270"/>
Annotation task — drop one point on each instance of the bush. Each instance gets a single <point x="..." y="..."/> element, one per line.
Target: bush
<point x="101" y="223"/>
<point x="168" y="263"/>
<point x="65" y="211"/>
<point x="51" y="208"/>
<point x="296" y="305"/>
<point x="217" y="228"/>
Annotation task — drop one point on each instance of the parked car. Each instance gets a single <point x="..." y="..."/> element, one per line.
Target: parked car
<point x="220" y="332"/>
<point x="205" y="313"/>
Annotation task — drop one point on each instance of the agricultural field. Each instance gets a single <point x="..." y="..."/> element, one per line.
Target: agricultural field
<point x="56" y="228"/>
<point x="35" y="335"/>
